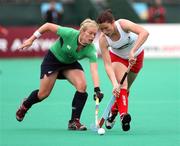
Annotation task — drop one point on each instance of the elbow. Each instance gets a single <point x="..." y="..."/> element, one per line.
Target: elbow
<point x="47" y="25"/>
<point x="145" y="34"/>
<point x="50" y="27"/>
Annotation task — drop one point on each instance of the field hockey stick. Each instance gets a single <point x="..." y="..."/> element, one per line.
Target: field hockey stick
<point x="109" y="105"/>
<point x="96" y="113"/>
<point x="112" y="100"/>
<point x="95" y="127"/>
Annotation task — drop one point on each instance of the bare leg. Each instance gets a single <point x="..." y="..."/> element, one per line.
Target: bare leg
<point x="77" y="78"/>
<point x="119" y="70"/>
<point x="46" y="85"/>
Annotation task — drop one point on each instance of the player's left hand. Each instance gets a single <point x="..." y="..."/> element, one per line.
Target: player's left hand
<point x="98" y="94"/>
<point x="132" y="59"/>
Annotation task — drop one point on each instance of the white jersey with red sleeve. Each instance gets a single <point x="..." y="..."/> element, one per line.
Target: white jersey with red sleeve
<point x="123" y="46"/>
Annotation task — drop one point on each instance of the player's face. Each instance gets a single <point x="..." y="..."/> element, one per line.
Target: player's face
<point x="89" y="35"/>
<point x="107" y="28"/>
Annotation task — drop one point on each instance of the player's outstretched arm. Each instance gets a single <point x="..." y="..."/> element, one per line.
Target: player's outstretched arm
<point x="47" y="27"/>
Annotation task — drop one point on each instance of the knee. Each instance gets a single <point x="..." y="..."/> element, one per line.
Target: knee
<point x="81" y="86"/>
<point x="43" y="94"/>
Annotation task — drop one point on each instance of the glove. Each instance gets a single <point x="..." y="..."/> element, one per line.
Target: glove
<point x="98" y="94"/>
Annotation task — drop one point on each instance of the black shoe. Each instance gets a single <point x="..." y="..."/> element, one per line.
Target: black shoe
<point x="111" y="120"/>
<point x="125" y="120"/>
<point x="20" y="114"/>
<point x="76" y="125"/>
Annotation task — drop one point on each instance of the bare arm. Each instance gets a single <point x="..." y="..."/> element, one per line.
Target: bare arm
<point x="142" y="33"/>
<point x="94" y="73"/>
<point x="47" y="27"/>
<point x="107" y="61"/>
<point x="97" y="92"/>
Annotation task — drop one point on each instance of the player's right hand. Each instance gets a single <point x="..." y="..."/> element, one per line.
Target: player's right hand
<point x="26" y="44"/>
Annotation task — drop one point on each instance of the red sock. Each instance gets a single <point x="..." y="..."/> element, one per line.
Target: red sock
<point x="122" y="102"/>
<point x="114" y="108"/>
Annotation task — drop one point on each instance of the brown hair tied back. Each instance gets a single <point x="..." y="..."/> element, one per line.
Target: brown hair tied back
<point x="105" y="16"/>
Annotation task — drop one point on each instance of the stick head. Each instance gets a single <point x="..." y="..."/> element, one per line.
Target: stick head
<point x="101" y="122"/>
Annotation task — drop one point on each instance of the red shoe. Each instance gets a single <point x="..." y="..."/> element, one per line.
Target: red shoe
<point x="20" y="114"/>
<point x="76" y="125"/>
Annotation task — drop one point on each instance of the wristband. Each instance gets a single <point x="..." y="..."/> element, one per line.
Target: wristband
<point x="37" y="34"/>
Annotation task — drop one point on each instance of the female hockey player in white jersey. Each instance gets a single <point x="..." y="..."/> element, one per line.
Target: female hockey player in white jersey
<point x="120" y="43"/>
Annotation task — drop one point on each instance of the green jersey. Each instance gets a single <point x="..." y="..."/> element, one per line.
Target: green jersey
<point x="65" y="48"/>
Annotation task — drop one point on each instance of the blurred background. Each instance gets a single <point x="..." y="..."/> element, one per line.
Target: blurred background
<point x="19" y="18"/>
<point x="72" y="12"/>
<point x="155" y="96"/>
